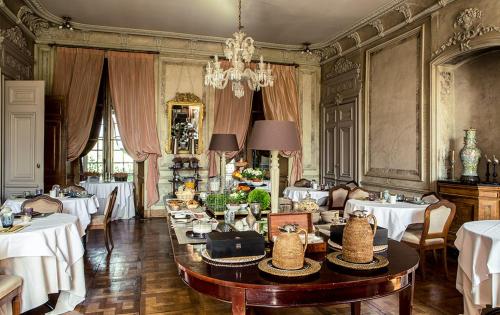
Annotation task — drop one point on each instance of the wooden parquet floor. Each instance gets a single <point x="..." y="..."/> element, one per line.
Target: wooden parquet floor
<point x="140" y="277"/>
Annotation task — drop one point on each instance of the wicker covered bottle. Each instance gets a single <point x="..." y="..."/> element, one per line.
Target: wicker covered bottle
<point x="357" y="241"/>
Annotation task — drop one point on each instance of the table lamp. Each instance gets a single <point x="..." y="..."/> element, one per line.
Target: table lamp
<point x="223" y="143"/>
<point x="274" y="136"/>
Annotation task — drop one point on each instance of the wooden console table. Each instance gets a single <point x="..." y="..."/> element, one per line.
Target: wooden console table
<point x="473" y="201"/>
<point x="248" y="287"/>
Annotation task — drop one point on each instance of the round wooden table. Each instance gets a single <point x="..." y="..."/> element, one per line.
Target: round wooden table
<point x="248" y="286"/>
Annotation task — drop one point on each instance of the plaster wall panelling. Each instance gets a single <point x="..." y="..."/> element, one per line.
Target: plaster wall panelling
<point x="394" y="101"/>
<point x="44" y="66"/>
<point x="309" y="94"/>
<point x="179" y="75"/>
<point x="445" y="23"/>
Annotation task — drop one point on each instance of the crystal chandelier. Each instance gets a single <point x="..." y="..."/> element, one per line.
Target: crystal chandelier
<point x="239" y="51"/>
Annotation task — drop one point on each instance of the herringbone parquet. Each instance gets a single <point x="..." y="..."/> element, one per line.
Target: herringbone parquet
<point x="140" y="277"/>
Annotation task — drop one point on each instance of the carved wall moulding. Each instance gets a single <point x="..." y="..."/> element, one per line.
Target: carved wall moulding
<point x="34" y="23"/>
<point x="329" y="51"/>
<point x="355" y="37"/>
<point x="377" y="24"/>
<point x="405" y="10"/>
<point x="446" y="85"/>
<point x="343" y="65"/>
<point x="469" y="21"/>
<point x="16" y="37"/>
<point x="187" y="97"/>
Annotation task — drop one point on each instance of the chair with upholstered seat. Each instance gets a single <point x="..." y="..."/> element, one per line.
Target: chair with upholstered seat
<point x="103" y="221"/>
<point x="337" y="197"/>
<point x="434" y="234"/>
<point x="10" y="292"/>
<point x="430" y="197"/>
<point x="75" y="188"/>
<point x="43" y="204"/>
<point x="358" y="193"/>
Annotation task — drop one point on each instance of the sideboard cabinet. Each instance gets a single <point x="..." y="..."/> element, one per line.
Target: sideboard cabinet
<point x="473" y="202"/>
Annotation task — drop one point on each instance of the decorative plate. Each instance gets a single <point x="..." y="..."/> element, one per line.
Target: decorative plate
<point x="310" y="267"/>
<point x="376" y="249"/>
<point x="231" y="260"/>
<point x="377" y="263"/>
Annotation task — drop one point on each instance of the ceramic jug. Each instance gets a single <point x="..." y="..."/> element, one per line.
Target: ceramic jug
<point x="357" y="240"/>
<point x="288" y="251"/>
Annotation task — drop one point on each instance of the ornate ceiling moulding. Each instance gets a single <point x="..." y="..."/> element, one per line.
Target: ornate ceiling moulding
<point x="405" y="10"/>
<point x="34" y="23"/>
<point x="469" y="20"/>
<point x="355" y="37"/>
<point x="343" y="65"/>
<point x="330" y="51"/>
<point x="379" y="26"/>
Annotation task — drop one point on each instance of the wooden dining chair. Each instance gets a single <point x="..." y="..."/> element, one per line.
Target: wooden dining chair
<point x="430" y="197"/>
<point x="75" y="188"/>
<point x="43" y="204"/>
<point x="337" y="197"/>
<point x="358" y="193"/>
<point x="103" y="221"/>
<point x="434" y="234"/>
<point x="10" y="292"/>
<point x="352" y="184"/>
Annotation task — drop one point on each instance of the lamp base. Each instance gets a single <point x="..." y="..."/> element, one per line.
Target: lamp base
<point x="275" y="181"/>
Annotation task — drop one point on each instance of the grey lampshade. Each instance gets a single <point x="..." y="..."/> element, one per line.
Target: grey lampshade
<point x="274" y="135"/>
<point x="223" y="142"/>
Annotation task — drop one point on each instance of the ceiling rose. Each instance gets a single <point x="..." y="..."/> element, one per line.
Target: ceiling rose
<point x="239" y="51"/>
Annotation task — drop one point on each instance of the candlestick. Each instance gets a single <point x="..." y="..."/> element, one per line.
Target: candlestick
<point x="488" y="162"/>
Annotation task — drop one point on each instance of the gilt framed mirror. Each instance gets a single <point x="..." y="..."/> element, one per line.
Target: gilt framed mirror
<point x="185" y="124"/>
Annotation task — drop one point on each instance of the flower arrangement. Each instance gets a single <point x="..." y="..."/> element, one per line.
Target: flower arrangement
<point x="254" y="174"/>
<point x="260" y="196"/>
<point x="237" y="197"/>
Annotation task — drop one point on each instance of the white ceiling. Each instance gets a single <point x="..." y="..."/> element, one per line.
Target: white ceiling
<point x="289" y="22"/>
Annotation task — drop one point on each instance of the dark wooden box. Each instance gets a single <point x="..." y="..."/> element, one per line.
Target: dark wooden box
<point x="235" y="244"/>
<point x="275" y="220"/>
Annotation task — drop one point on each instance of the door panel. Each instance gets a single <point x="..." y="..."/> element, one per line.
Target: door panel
<point x="330" y="149"/>
<point x="24" y="136"/>
<point x="346" y="152"/>
<point x="55" y="142"/>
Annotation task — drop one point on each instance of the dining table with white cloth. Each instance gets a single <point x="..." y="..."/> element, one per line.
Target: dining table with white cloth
<point x="48" y="256"/>
<point x="394" y="217"/>
<point x="81" y="207"/>
<point x="298" y="193"/>
<point x="124" y="205"/>
<point x="478" y="274"/>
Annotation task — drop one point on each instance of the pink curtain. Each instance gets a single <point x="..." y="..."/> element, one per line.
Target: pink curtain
<point x="131" y="78"/>
<point x="77" y="76"/>
<point x="281" y="103"/>
<point x="232" y="115"/>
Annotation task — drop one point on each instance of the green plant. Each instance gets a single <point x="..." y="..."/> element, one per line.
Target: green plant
<point x="216" y="202"/>
<point x="260" y="196"/>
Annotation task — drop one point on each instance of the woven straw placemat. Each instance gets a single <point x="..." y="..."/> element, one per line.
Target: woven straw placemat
<point x="377" y="263"/>
<point x="310" y="267"/>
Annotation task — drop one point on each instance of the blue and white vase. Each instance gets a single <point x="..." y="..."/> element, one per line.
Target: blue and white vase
<point x="470" y="155"/>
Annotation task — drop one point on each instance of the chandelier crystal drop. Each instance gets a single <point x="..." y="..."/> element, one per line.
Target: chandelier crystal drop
<point x="239" y="51"/>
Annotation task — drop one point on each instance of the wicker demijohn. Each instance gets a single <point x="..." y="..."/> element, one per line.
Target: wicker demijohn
<point x="357" y="241"/>
<point x="288" y="251"/>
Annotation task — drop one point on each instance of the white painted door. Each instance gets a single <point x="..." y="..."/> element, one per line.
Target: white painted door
<point x="24" y="139"/>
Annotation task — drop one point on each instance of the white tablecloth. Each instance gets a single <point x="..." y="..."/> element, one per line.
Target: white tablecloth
<point x="124" y="206"/>
<point x="394" y="217"/>
<point x="299" y="193"/>
<point x="82" y="208"/>
<point x="48" y="255"/>
<point x="478" y="278"/>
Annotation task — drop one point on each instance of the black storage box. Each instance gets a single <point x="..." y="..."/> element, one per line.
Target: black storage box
<point x="235" y="244"/>
<point x="337" y="231"/>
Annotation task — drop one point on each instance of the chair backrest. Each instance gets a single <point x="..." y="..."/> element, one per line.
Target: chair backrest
<point x="75" y="188"/>
<point x="358" y="193"/>
<point x="110" y="205"/>
<point x="338" y="197"/>
<point x="430" y="197"/>
<point x="302" y="183"/>
<point x="352" y="184"/>
<point x="43" y="204"/>
<point x="437" y="220"/>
